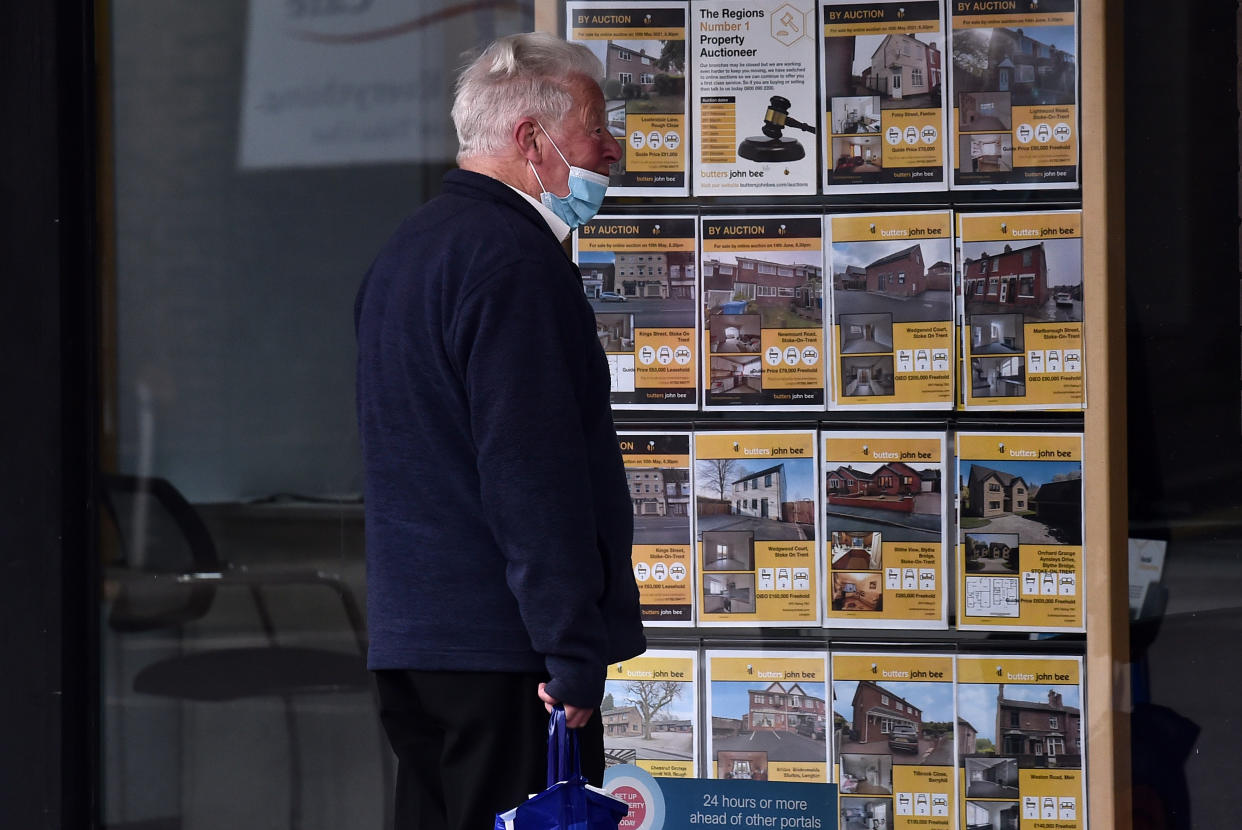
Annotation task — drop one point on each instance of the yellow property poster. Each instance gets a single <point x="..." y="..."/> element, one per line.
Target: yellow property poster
<point x="1020" y="531"/>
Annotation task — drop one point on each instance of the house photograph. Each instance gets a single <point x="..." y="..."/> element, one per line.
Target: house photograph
<point x="866" y="333"/>
<point x="998" y="377"/>
<point x="984" y="111"/>
<point x="776" y="285"/>
<point x="615" y="332"/>
<point x="992" y="777"/>
<point x="857" y="154"/>
<point x="867" y="375"/>
<point x="901" y="70"/>
<point x="772" y="502"/>
<point x="990" y="553"/>
<point x="866" y="774"/>
<point x="733" y="333"/>
<point x="1038" y="726"/>
<point x="991" y="815"/>
<point x="728" y="550"/>
<point x="857" y="591"/>
<point x="783" y="719"/>
<point x="737" y="765"/>
<point x="647" y="720"/>
<point x="732" y="593"/>
<point x="736" y="375"/>
<point x="859" y="114"/>
<point x="640" y="76"/>
<point x="903" y="501"/>
<point x="855" y="550"/>
<point x="906" y="722"/>
<point x="985" y="152"/>
<point x="884" y="277"/>
<point x="862" y="813"/>
<point x="1041" y="281"/>
<point x="996" y="334"/>
<point x="1035" y="65"/>
<point x="661" y="502"/>
<point x="1004" y="497"/>
<point x="665" y="282"/>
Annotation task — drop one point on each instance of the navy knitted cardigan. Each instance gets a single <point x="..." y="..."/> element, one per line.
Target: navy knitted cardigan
<point x="498" y="519"/>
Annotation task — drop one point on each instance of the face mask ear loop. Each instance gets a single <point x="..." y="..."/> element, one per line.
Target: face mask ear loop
<point x="536" y="172"/>
<point x="554" y="147"/>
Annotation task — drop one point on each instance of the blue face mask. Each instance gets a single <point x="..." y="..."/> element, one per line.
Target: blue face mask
<point x="586" y="192"/>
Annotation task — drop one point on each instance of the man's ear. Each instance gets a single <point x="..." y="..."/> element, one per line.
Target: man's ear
<point x="526" y="137"/>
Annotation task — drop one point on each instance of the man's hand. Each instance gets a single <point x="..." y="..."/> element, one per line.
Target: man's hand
<point x="574" y="715"/>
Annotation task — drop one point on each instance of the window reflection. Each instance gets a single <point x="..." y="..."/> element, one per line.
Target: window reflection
<point x="261" y="153"/>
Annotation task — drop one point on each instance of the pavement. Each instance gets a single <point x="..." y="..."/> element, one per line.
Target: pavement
<point x="921" y="526"/>
<point x="765" y="530"/>
<point x="931" y="752"/>
<point x="780" y="746"/>
<point x="926" y="307"/>
<point x="661" y="530"/>
<point x="1030" y="531"/>
<point x="662" y="746"/>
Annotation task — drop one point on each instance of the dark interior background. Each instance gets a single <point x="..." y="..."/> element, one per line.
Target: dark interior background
<point x="1185" y="454"/>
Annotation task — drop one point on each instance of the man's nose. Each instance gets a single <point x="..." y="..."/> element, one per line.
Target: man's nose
<point x="612" y="150"/>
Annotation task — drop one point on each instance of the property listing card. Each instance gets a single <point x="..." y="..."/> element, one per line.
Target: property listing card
<point x="639" y="276"/>
<point x="891" y="331"/>
<point x="882" y="66"/>
<point x="1015" y="93"/>
<point x="755" y="107"/>
<point x="657" y="470"/>
<point x="885" y="529"/>
<point x="763" y="290"/>
<point x="643" y="50"/>
<point x="1020" y="742"/>
<point x="768" y="715"/>
<point x="1020" y="531"/>
<point x="1022" y="310"/>
<point x="650" y="713"/>
<point x="893" y="717"/>
<point x="755" y="497"/>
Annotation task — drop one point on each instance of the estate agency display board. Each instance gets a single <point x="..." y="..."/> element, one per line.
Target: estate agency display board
<point x="638" y="274"/>
<point x="643" y="50"/>
<point x="756" y="527"/>
<point x="1022" y="320"/>
<point x="651" y="713"/>
<point x="1020" y="742"/>
<point x="657" y="470"/>
<point x="1014" y="81"/>
<point x="885" y="529"/>
<point x="752" y="69"/>
<point x="894" y="719"/>
<point x="761" y="281"/>
<point x="1020" y="531"/>
<point x="768" y="711"/>
<point x="883" y="80"/>
<point x="892" y="302"/>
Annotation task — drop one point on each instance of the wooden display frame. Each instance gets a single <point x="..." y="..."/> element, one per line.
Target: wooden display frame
<point x="1104" y="467"/>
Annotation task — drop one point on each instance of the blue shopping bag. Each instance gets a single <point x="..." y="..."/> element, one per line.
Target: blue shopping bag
<point x="569" y="802"/>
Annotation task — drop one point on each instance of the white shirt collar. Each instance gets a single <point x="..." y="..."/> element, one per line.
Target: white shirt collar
<point x="557" y="225"/>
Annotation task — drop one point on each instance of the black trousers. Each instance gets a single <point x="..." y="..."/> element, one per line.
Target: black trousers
<point x="470" y="745"/>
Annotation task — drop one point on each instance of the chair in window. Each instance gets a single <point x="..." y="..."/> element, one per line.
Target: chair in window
<point x="166" y="573"/>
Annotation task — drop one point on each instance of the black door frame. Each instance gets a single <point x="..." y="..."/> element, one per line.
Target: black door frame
<point x="48" y="557"/>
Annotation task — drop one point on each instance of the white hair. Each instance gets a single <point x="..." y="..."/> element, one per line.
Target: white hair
<point x="517" y="76"/>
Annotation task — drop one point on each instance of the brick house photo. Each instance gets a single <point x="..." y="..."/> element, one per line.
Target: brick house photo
<point x="1040" y="733"/>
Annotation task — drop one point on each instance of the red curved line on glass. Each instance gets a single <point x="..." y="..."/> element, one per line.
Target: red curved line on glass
<point x="408" y="26"/>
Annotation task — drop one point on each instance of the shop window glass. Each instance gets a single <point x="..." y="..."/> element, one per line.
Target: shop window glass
<point x="259" y="160"/>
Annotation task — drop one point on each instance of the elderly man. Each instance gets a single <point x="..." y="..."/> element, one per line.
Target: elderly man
<point x="498" y="520"/>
